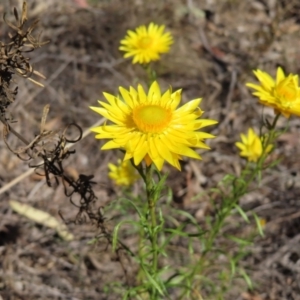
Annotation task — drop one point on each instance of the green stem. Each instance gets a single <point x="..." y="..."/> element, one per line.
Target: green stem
<point x="237" y="191"/>
<point x="150" y="73"/>
<point x="151" y="197"/>
<point x="269" y="141"/>
<point x="140" y="275"/>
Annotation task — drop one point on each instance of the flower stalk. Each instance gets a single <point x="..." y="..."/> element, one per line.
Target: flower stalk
<point x="239" y="186"/>
<point x="152" y="200"/>
<point x="151" y="74"/>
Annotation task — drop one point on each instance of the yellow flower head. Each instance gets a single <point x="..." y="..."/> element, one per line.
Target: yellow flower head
<point x="283" y="94"/>
<point x="251" y="146"/>
<point x="123" y="174"/>
<point x="151" y="127"/>
<point x="146" y="44"/>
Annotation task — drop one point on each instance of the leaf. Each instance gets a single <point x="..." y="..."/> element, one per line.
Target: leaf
<point x="242" y="213"/>
<point x="41" y="217"/>
<point x="246" y="278"/>
<point x="232" y="266"/>
<point x="153" y="281"/>
<point x="16" y="14"/>
<point x="24" y="13"/>
<point x="116" y="231"/>
<point x="258" y="224"/>
<point x="44" y="117"/>
<point x="239" y="241"/>
<point x="11" y="25"/>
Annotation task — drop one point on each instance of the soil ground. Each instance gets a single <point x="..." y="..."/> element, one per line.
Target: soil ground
<point x="217" y="45"/>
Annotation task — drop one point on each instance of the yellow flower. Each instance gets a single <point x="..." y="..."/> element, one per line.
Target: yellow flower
<point x="262" y="222"/>
<point x="150" y="127"/>
<point x="124" y="174"/>
<point x="251" y="146"/>
<point x="146" y="44"/>
<point x="283" y="94"/>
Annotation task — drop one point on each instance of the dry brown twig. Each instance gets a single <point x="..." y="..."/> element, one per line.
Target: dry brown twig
<point x="50" y="147"/>
<point x="22" y="176"/>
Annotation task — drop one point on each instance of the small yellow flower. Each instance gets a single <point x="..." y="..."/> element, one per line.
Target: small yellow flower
<point x="123" y="174"/>
<point x="151" y="127"/>
<point x="283" y="94"/>
<point x="262" y="222"/>
<point x="251" y="146"/>
<point x="146" y="44"/>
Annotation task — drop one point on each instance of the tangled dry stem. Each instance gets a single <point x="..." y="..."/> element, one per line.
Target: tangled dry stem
<point x="49" y="146"/>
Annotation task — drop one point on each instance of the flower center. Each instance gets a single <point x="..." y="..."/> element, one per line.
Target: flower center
<point x="151" y="118"/>
<point x="145" y="42"/>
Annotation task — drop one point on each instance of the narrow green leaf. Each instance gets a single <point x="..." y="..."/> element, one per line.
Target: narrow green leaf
<point x="135" y="207"/>
<point x="232" y="267"/>
<point x="153" y="281"/>
<point x="238" y="240"/>
<point x="241" y="212"/>
<point x="246" y="278"/>
<point x="258" y="224"/>
<point x="116" y="231"/>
